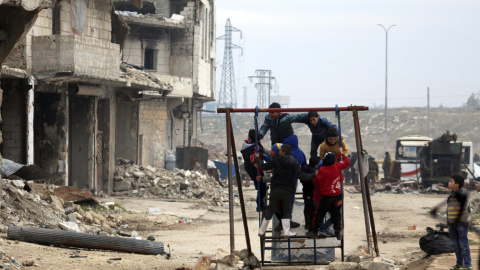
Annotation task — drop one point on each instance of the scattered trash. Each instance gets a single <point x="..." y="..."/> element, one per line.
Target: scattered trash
<point x="184" y="220"/>
<point x="412" y="227"/>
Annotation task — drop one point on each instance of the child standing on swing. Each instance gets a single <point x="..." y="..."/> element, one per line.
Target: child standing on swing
<point x="284" y="167"/>
<point x="328" y="193"/>
<point x="331" y="144"/>
<point x="248" y="151"/>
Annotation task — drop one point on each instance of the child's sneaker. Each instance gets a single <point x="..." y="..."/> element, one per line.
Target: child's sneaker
<point x="463" y="267"/>
<point x="456" y="267"/>
<point x="324" y="233"/>
<point x="339" y="234"/>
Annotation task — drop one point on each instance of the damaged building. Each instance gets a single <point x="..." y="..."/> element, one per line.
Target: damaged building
<point x="91" y="81"/>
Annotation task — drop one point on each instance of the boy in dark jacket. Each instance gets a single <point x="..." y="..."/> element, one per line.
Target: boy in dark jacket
<point x="318" y="126"/>
<point x="308" y="190"/>
<point x="285" y="167"/>
<point x="248" y="151"/>
<point x="328" y="193"/>
<point x="280" y="124"/>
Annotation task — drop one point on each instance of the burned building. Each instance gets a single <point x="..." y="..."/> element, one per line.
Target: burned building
<point x="175" y="41"/>
<point x="90" y="83"/>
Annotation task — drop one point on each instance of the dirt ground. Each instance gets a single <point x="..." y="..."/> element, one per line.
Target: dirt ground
<point x="209" y="231"/>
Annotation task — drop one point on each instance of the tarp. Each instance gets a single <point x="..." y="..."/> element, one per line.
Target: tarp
<point x="223" y="168"/>
<point x="9" y="167"/>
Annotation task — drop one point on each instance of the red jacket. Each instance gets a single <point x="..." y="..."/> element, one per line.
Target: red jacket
<point x="329" y="179"/>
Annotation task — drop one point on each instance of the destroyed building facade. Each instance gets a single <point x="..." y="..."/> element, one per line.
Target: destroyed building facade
<point x="96" y="80"/>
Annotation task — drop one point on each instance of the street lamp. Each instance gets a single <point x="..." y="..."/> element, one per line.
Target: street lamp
<point x="386" y="69"/>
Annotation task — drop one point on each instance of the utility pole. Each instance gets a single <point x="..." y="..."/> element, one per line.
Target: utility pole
<point x="264" y="86"/>
<point x="227" y="96"/>
<point x="428" y="111"/>
<point x="386" y="76"/>
<point x="244" y="97"/>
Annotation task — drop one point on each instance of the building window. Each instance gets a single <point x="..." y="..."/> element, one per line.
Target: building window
<point x="150" y="59"/>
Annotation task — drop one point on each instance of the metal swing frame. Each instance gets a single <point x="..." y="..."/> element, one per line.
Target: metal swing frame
<point x="232" y="153"/>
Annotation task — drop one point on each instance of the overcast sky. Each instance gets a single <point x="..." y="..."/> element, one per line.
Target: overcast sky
<point x="327" y="52"/>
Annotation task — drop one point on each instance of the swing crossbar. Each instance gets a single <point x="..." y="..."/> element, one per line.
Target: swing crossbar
<point x="320" y="109"/>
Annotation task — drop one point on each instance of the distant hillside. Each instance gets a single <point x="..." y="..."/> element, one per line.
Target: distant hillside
<point x="401" y="122"/>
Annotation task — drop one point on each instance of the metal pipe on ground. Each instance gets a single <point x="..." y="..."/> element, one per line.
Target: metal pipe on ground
<point x="83" y="240"/>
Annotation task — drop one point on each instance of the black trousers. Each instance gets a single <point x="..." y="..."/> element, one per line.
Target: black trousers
<point x="279" y="196"/>
<point x="315" y="143"/>
<point x="262" y="191"/>
<point x="308" y="210"/>
<point x="328" y="204"/>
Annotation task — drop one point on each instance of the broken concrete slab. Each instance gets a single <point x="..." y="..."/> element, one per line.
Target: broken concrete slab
<point x="20" y="184"/>
<point x="369" y="265"/>
<point x="76" y="195"/>
<point x="69" y="226"/>
<point x="343" y="266"/>
<point x="121" y="186"/>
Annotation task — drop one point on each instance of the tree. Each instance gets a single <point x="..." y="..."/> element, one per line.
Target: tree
<point x="473" y="101"/>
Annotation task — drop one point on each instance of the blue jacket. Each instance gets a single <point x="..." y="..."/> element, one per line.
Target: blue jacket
<point x="319" y="131"/>
<point x="297" y="153"/>
<point x="281" y="127"/>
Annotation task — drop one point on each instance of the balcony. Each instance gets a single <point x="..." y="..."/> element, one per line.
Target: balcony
<point x="58" y="56"/>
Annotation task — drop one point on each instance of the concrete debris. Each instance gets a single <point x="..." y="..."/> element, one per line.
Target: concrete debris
<point x="69" y="226"/>
<point x="343" y="266"/>
<point x="374" y="265"/>
<point x="223" y="260"/>
<point x="154" y="211"/>
<point x="135" y="180"/>
<point x="141" y="75"/>
<point x="41" y="208"/>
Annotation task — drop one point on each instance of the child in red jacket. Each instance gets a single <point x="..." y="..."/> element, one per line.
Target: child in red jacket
<point x="328" y="193"/>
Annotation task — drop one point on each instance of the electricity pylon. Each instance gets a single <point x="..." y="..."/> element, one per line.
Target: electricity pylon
<point x="227" y="96"/>
<point x="264" y="86"/>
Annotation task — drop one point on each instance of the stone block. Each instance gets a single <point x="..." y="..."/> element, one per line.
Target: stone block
<point x="121" y="186"/>
<point x="343" y="266"/>
<point x="369" y="265"/>
<point x="18" y="183"/>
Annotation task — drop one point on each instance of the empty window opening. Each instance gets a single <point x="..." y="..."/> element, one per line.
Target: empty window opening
<point x="150" y="61"/>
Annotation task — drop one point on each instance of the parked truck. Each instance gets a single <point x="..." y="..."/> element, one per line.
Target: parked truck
<point x="444" y="157"/>
<point x="434" y="161"/>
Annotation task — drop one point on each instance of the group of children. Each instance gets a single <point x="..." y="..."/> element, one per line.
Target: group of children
<point x="321" y="179"/>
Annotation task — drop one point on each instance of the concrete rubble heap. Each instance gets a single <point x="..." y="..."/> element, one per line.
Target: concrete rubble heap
<point x="39" y="207"/>
<point x="132" y="179"/>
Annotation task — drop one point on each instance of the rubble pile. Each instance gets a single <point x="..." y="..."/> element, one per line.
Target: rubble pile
<point x="36" y="205"/>
<point x="26" y="208"/>
<point x="132" y="179"/>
